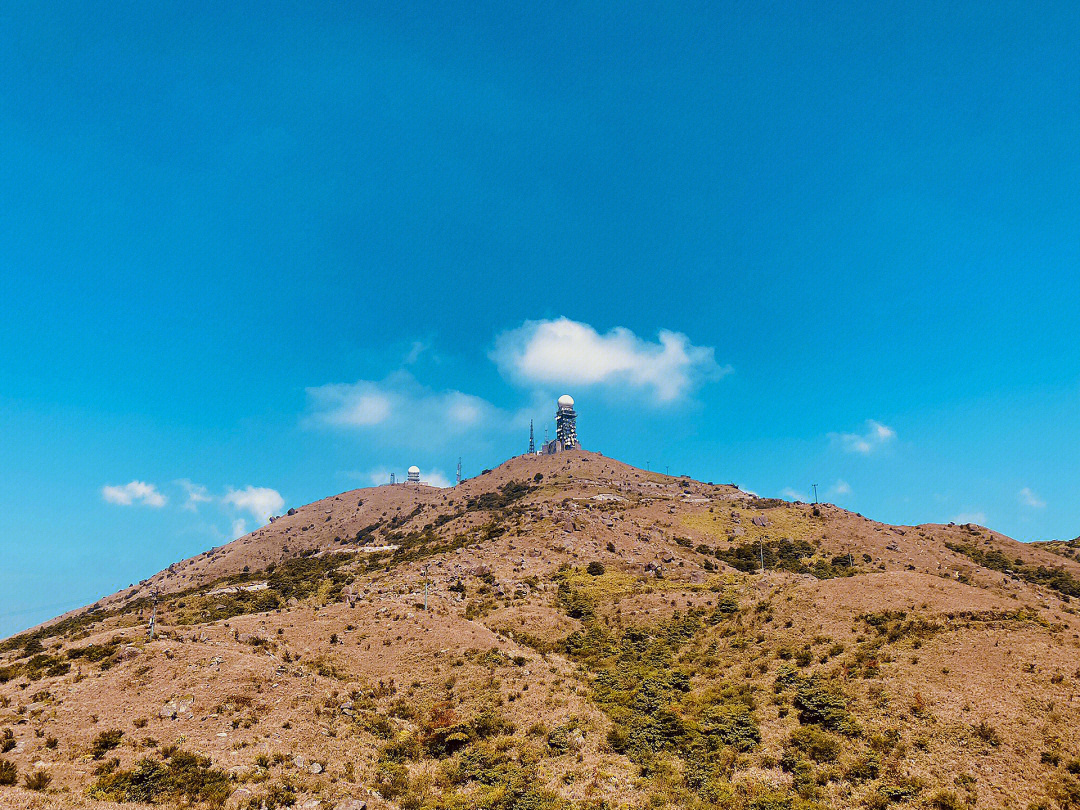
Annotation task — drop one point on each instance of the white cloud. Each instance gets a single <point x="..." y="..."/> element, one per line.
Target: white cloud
<point x="196" y="494"/>
<point x="436" y="478"/>
<point x="970" y="517"/>
<point x="1029" y="498"/>
<point x="239" y="528"/>
<point x="841" y="487"/>
<point x="402" y="407"/>
<point x="794" y="495"/>
<point x="127" y="494"/>
<point x="261" y="502"/>
<point x="876" y="436"/>
<point x="568" y="353"/>
<point x="418" y="348"/>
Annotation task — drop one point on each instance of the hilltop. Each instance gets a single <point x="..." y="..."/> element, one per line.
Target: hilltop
<point x="564" y="631"/>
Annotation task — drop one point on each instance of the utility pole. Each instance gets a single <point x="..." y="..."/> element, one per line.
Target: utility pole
<point x="153" y="618"/>
<point x="761" y="549"/>
<point x="666" y="468"/>
<point x="815" y="494"/>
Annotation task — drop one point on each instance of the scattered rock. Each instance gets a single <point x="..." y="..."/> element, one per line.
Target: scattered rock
<point x="316" y="767"/>
<point x="291" y="512"/>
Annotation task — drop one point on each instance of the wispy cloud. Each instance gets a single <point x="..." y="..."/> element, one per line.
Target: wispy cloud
<point x="196" y="494"/>
<point x="239" y="528"/>
<point x="794" y="494"/>
<point x="260" y="502"/>
<point x="970" y="517"/>
<point x="840" y="488"/>
<point x="875" y="437"/>
<point x="570" y="353"/>
<point x="134" y="492"/>
<point x="401" y="406"/>
<point x="1029" y="498"/>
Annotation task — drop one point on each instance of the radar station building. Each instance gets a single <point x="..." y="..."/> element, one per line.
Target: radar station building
<point x="565" y="428"/>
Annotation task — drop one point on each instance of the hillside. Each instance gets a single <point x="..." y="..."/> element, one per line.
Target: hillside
<point x="564" y="631"/>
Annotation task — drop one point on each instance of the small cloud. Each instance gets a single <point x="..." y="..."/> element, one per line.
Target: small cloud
<point x="436" y="478"/>
<point x="874" y="438"/>
<point x="134" y="491"/>
<point x="841" y="487"/>
<point x="978" y="518"/>
<point x="568" y="353"/>
<point x="239" y="528"/>
<point x="794" y="495"/>
<point x="400" y="406"/>
<point x="196" y="494"/>
<point x="1029" y="498"/>
<point x="418" y="348"/>
<point x="260" y="502"/>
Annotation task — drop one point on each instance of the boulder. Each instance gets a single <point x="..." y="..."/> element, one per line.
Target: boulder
<point x="315" y="767"/>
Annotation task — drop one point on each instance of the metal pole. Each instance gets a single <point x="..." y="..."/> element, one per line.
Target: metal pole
<point x="761" y="548"/>
<point x="815" y="494"/>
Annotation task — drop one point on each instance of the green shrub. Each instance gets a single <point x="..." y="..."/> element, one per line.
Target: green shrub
<point x="987" y="733"/>
<point x="186" y="777"/>
<point x="817" y="744"/>
<point x="105" y="742"/>
<point x="37" y="780"/>
<point x="595" y="568"/>
<point x="821" y="704"/>
<point x="732" y="724"/>
<point x="946" y="800"/>
<point x="9" y="773"/>
<point x="7" y="740"/>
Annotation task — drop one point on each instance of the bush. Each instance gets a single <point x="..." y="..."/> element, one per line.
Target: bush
<point x="38" y="780"/>
<point x="987" y="733"/>
<point x="595" y="568"/>
<point x="187" y="777"/>
<point x="946" y="800"/>
<point x="9" y="772"/>
<point x="7" y="741"/>
<point x="819" y="745"/>
<point x="732" y="724"/>
<point x="105" y="742"/>
<point x="822" y="705"/>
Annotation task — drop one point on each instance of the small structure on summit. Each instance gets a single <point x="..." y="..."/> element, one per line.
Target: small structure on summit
<point x="414" y="475"/>
<point x="565" y="428"/>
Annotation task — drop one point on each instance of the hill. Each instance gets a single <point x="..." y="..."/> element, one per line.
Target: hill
<point x="564" y="631"/>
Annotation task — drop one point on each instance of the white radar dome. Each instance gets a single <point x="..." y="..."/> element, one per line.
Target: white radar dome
<point x="566" y="401"/>
<point x="414" y="469"/>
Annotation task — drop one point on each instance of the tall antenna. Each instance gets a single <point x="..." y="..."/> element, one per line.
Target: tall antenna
<point x="459" y="469"/>
<point x="532" y="441"/>
<point x="815" y="493"/>
<point x="392" y="479"/>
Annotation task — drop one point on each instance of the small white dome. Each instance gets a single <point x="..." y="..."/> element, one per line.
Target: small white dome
<point x="414" y="469"/>
<point x="566" y="401"/>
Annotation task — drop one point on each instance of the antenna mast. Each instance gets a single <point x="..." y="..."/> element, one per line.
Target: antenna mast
<point x="532" y="441"/>
<point x="459" y="469"/>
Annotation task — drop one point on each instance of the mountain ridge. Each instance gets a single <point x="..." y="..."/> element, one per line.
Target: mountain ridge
<point x="496" y="643"/>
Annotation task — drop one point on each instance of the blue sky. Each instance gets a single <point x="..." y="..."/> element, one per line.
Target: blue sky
<point x="255" y="254"/>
